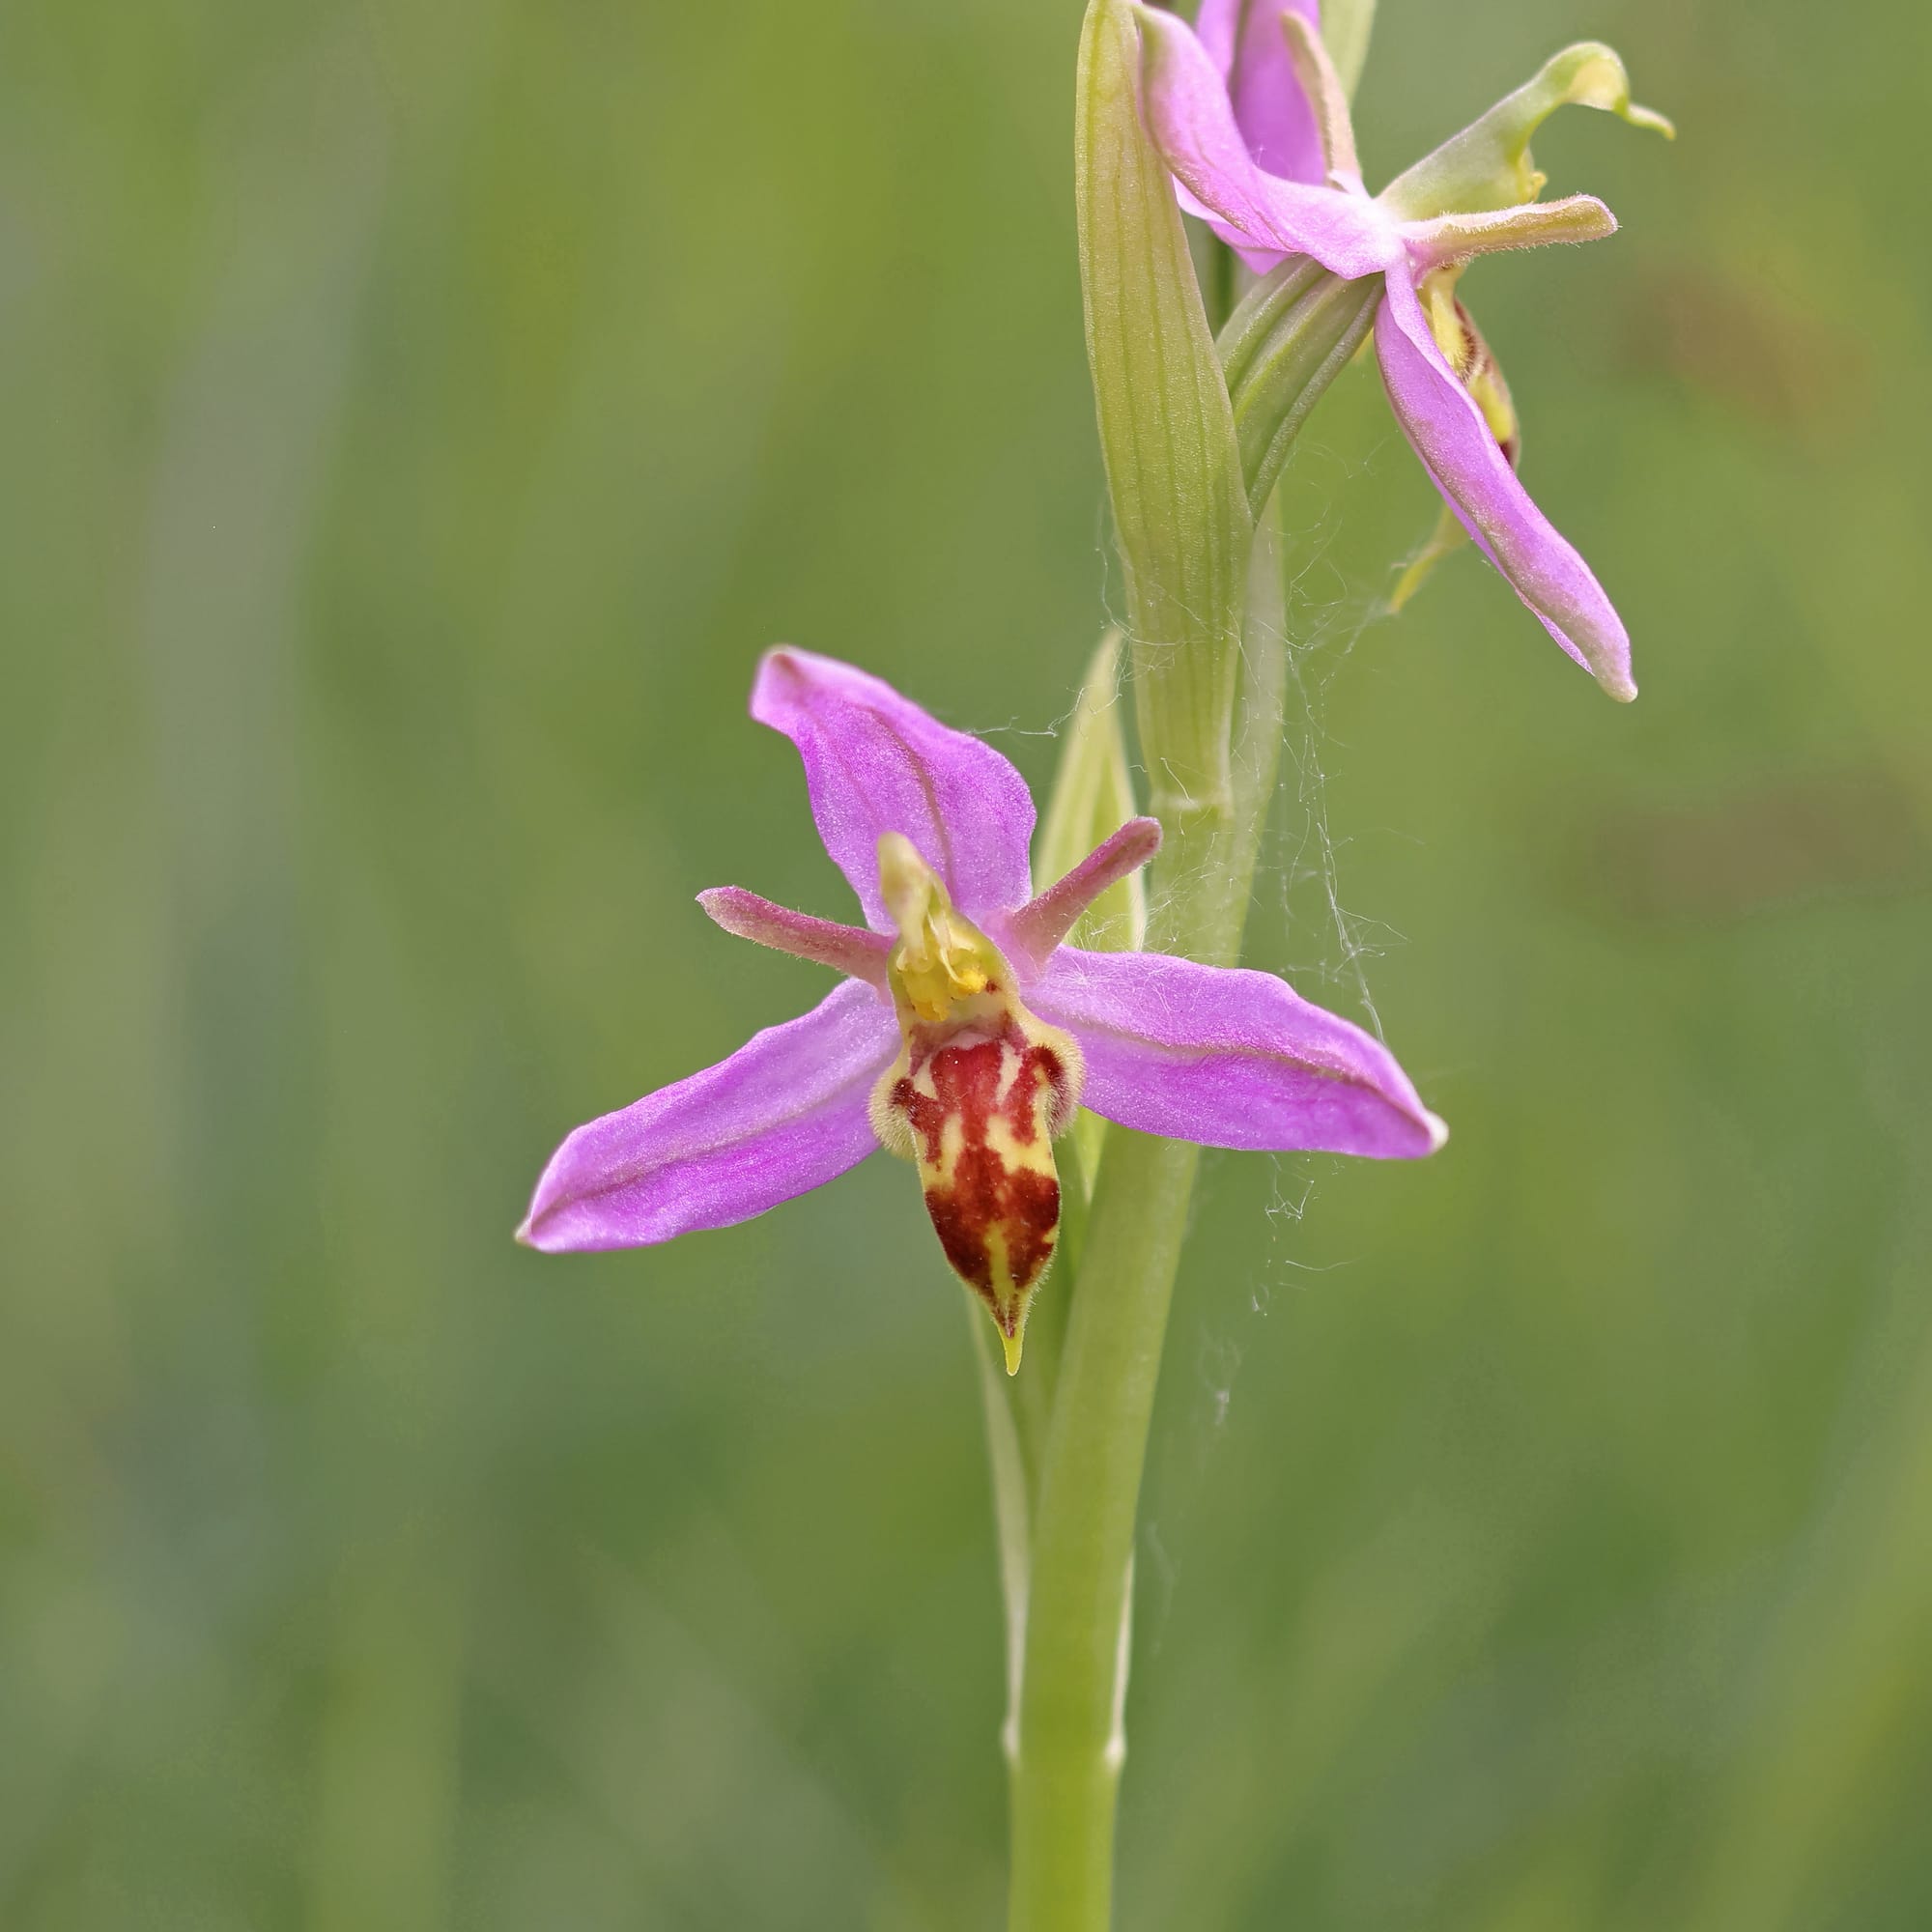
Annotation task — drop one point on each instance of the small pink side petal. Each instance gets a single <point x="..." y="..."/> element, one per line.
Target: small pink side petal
<point x="851" y="949"/>
<point x="1038" y="927"/>
<point x="1244" y="39"/>
<point x="1538" y="224"/>
<point x="874" y="763"/>
<point x="1445" y="427"/>
<point x="1191" y="121"/>
<point x="1228" y="1058"/>
<point x="785" y="1114"/>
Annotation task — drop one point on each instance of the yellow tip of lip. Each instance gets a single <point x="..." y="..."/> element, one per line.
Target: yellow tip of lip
<point x="1013" y="1345"/>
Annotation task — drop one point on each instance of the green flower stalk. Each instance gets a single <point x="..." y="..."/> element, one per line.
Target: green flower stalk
<point x="1181" y="444"/>
<point x="1253" y="122"/>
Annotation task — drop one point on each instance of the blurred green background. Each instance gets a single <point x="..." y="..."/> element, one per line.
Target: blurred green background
<point x="414" y="418"/>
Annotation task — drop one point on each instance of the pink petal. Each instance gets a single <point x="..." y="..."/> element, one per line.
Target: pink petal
<point x="1038" y="927"/>
<point x="1192" y="123"/>
<point x="1258" y="261"/>
<point x="1447" y="431"/>
<point x="851" y="949"/>
<point x="785" y="1114"/>
<point x="1459" y="238"/>
<point x="1244" y="41"/>
<point x="874" y="763"/>
<point x="1228" y="1058"/>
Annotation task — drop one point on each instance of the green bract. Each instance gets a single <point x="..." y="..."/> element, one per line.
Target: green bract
<point x="1092" y="797"/>
<point x="1166" y="430"/>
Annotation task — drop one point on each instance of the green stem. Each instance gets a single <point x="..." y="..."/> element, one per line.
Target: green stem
<point x="1012" y="1506"/>
<point x="1070" y="1744"/>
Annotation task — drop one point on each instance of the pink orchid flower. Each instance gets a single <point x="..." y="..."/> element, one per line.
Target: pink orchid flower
<point x="1251" y="120"/>
<point x="964" y="1032"/>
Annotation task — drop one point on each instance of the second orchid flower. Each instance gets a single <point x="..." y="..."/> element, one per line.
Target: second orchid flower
<point x="1253" y="122"/>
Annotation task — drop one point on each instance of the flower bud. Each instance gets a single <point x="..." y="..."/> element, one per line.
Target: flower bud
<point x="1174" y="468"/>
<point x="977" y="1093"/>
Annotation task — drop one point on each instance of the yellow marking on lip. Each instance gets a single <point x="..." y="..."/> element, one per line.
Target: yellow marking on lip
<point x="1035" y="1156"/>
<point x="951" y="1145"/>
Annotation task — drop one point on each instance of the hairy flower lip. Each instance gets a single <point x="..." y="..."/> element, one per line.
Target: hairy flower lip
<point x="1227" y="1057"/>
<point x="1235" y="126"/>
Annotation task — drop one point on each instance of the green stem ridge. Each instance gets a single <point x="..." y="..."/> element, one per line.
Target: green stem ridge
<point x="1075" y="1598"/>
<point x="1012" y="1485"/>
<point x="1067" y="1765"/>
<point x="1192" y="434"/>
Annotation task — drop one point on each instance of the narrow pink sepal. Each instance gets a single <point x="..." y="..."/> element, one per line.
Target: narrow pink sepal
<point x="1246" y="41"/>
<point x="874" y="763"/>
<point x="1192" y="123"/>
<point x="1038" y="927"/>
<point x="851" y="949"/>
<point x="1229" y="1056"/>
<point x="785" y="1114"/>
<point x="1446" y="429"/>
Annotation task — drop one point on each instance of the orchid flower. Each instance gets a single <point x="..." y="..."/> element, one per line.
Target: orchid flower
<point x="1254" y="124"/>
<point x="964" y="1032"/>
